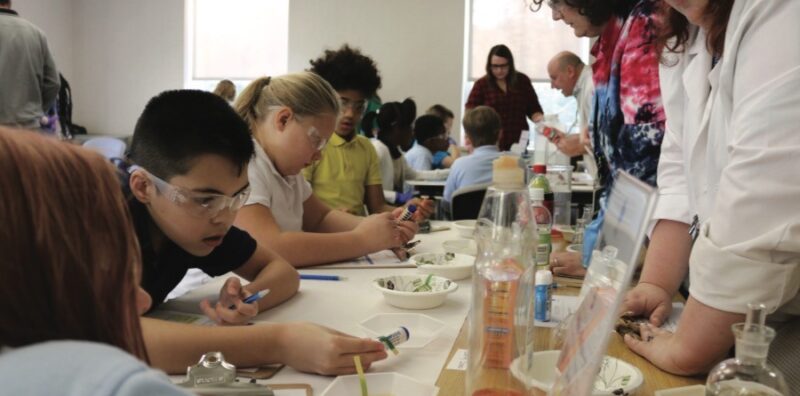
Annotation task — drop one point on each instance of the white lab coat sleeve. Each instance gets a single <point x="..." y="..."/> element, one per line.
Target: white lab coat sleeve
<point x="749" y="250"/>
<point x="673" y="196"/>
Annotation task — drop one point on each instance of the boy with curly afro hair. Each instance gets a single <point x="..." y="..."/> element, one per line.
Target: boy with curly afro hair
<point x="348" y="176"/>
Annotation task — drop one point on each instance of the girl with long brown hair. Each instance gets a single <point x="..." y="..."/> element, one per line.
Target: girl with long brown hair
<point x="70" y="269"/>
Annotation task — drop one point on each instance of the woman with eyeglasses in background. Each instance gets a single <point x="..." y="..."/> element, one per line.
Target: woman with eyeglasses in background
<point x="291" y="118"/>
<point x="507" y="91"/>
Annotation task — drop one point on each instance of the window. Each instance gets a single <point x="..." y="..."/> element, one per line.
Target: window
<point x="533" y="37"/>
<point x="237" y="40"/>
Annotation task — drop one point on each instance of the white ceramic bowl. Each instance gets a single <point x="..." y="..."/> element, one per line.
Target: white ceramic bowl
<point x="380" y="384"/>
<point x="461" y="246"/>
<point x="614" y="374"/>
<point x="422" y="329"/>
<point x="449" y="265"/>
<point x="400" y="291"/>
<point x="465" y="227"/>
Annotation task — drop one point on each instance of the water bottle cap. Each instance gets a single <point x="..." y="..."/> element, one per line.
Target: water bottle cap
<point x="540" y="169"/>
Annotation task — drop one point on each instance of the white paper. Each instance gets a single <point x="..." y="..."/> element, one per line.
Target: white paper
<point x="289" y="392"/>
<point x="382" y="259"/>
<point x="459" y="360"/>
<point x="561" y="307"/>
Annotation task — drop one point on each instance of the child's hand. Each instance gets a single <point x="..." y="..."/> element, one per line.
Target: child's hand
<point x="316" y="349"/>
<point x="425" y="208"/>
<point x="231" y="295"/>
<point x="382" y="231"/>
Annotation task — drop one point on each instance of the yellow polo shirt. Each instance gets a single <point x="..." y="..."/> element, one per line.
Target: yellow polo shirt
<point x="340" y="178"/>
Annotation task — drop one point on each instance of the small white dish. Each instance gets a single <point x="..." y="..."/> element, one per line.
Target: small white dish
<point x="694" y="390"/>
<point x="465" y="228"/>
<point x="575" y="248"/>
<point x="411" y="291"/>
<point x="461" y="246"/>
<point x="614" y="374"/>
<point x="449" y="265"/>
<point x="422" y="329"/>
<point x="379" y="384"/>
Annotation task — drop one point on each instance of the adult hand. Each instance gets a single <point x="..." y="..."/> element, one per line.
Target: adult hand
<point x="570" y="145"/>
<point x="230" y="295"/>
<point x="316" y="349"/>
<point x="657" y="345"/>
<point x="567" y="264"/>
<point x="647" y="299"/>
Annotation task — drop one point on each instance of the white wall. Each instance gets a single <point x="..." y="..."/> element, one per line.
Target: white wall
<point x="126" y="52"/>
<point x="55" y="18"/>
<point x="119" y="53"/>
<point x="417" y="44"/>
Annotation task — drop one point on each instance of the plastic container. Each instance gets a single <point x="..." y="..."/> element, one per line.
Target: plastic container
<point x="560" y="179"/>
<point x="539" y="180"/>
<point x="422" y="329"/>
<point x="379" y="384"/>
<point x="501" y="314"/>
<point x="544" y="223"/>
<point x="543" y="296"/>
<point x="465" y="228"/>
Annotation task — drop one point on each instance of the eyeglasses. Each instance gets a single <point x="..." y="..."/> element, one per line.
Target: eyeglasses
<point x="317" y="141"/>
<point x="498" y="66"/>
<point x="206" y="205"/>
<point x="357" y="106"/>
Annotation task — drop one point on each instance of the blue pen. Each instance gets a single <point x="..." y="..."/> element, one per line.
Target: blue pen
<point x="321" y="277"/>
<point x="253" y="298"/>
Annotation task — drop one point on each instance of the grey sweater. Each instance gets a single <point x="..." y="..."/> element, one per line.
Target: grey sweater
<point x="29" y="80"/>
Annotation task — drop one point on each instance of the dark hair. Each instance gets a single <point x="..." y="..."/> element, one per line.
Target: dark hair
<point x="426" y="127"/>
<point x="68" y="254"/>
<point x="482" y="125"/>
<point x="176" y="127"/>
<point x="502" y="51"/>
<point x="673" y="29"/>
<point x="598" y="11"/>
<point x="390" y="117"/>
<point x="346" y="68"/>
<point x="440" y="111"/>
<point x="5" y="2"/>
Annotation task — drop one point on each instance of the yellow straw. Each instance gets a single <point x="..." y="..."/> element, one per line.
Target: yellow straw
<point x="361" y="378"/>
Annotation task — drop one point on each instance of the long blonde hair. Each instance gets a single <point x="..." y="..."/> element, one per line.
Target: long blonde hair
<point x="68" y="255"/>
<point x="306" y="93"/>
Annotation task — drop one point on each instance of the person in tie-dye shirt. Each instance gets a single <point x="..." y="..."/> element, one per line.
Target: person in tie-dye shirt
<point x="627" y="122"/>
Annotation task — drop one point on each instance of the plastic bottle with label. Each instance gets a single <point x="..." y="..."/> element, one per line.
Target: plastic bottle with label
<point x="501" y="314"/>
<point x="544" y="223"/>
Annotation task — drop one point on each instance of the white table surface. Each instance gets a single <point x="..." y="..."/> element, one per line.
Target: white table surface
<point x="432" y="183"/>
<point x="342" y="305"/>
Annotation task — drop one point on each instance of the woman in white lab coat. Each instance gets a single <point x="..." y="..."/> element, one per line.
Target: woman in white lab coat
<point x="730" y="157"/>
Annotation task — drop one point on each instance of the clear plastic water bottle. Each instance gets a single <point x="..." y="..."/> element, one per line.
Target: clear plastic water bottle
<point x="544" y="223"/>
<point x="539" y="180"/>
<point x="748" y="373"/>
<point x="501" y="315"/>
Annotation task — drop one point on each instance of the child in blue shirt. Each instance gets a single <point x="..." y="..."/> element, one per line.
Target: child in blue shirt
<point x="482" y="125"/>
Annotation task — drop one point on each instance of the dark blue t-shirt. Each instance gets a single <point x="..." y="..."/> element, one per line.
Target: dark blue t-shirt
<point x="162" y="270"/>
